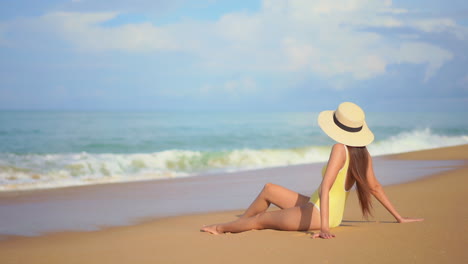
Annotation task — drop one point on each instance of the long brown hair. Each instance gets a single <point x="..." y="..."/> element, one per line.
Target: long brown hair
<point x="359" y="161"/>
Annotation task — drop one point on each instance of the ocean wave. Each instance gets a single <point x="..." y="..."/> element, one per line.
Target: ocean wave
<point x="31" y="171"/>
<point x="415" y="140"/>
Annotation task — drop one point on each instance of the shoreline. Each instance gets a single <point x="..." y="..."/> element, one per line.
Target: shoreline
<point x="439" y="239"/>
<point x="90" y="207"/>
<point x="450" y="153"/>
<point x="49" y="186"/>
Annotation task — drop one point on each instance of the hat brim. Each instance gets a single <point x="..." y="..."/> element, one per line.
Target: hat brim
<point x="355" y="139"/>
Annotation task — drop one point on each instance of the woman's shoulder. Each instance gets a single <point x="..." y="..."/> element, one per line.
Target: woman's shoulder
<point x="339" y="147"/>
<point x="338" y="151"/>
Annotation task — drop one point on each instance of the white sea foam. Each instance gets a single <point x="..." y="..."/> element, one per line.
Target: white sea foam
<point x="34" y="171"/>
<point x="415" y="140"/>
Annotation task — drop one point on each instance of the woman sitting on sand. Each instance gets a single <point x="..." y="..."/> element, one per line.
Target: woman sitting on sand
<point x="349" y="163"/>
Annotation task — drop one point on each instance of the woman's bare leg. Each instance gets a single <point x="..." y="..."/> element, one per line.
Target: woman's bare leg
<point x="277" y="195"/>
<point x="299" y="218"/>
<point x="270" y="194"/>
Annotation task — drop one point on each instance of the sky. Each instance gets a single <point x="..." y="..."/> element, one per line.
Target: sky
<point x="209" y="55"/>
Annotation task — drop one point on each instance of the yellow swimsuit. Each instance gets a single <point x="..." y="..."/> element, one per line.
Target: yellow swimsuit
<point x="338" y="195"/>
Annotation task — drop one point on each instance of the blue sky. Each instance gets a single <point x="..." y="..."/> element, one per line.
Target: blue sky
<point x="271" y="55"/>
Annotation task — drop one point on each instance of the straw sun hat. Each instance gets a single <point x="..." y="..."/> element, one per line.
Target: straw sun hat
<point x="346" y="125"/>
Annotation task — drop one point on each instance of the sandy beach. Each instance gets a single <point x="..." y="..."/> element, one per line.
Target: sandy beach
<point x="441" y="238"/>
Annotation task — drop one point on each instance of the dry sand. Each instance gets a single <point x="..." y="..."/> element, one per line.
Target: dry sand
<point x="441" y="238"/>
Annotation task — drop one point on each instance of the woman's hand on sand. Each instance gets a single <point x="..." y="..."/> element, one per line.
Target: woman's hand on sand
<point x="323" y="234"/>
<point x="409" y="220"/>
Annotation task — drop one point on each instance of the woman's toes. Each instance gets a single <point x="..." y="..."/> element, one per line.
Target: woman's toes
<point x="213" y="229"/>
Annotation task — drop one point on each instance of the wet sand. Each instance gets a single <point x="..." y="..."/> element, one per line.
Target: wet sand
<point x="441" y="238"/>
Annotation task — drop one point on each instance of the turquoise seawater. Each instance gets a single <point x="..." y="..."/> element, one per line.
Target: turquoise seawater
<point x="41" y="149"/>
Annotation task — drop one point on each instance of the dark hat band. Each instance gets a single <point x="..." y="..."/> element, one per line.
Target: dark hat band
<point x="344" y="127"/>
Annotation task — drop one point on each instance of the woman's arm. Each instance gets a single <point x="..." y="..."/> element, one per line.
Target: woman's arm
<point x="335" y="163"/>
<point x="378" y="192"/>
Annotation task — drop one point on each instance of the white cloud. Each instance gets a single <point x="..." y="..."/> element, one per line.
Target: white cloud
<point x="417" y="53"/>
<point x="440" y="25"/>
<point x="238" y="27"/>
<point x="396" y="11"/>
<point x="85" y="32"/>
<point x="299" y="55"/>
<point x="329" y="41"/>
<point x="323" y="37"/>
<point x="434" y="25"/>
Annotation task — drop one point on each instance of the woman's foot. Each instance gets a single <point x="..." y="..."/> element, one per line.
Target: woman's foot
<point x="213" y="229"/>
